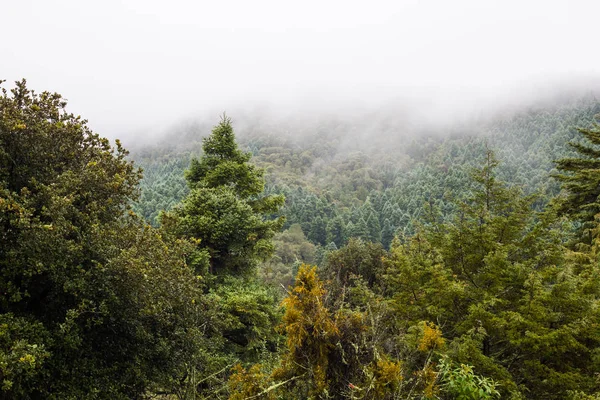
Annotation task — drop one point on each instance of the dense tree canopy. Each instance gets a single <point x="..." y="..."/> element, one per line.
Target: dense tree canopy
<point x="437" y="272"/>
<point x="477" y="297"/>
<point x="501" y="281"/>
<point x="92" y="300"/>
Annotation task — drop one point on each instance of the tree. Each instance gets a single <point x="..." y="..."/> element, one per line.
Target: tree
<point x="374" y="228"/>
<point x="328" y="354"/>
<point x="516" y="302"/>
<point x="336" y="231"/>
<point x="318" y="232"/>
<point x="357" y="258"/>
<point x="224" y="210"/>
<point x="358" y="230"/>
<point x="291" y="247"/>
<point x="348" y="350"/>
<point x="232" y="226"/>
<point x="580" y="177"/>
<point x="387" y="233"/>
<point x="93" y="301"/>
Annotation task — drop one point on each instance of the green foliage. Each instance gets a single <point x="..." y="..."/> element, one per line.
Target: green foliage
<point x="94" y="304"/>
<point x="22" y="354"/>
<point x="501" y="279"/>
<point x="319" y="360"/>
<point x="344" y="352"/>
<point x="291" y="249"/>
<point x="483" y="259"/>
<point x="580" y="177"/>
<point x="356" y="259"/>
<point x="231" y="223"/>
<point x="335" y="231"/>
<point x="577" y="395"/>
<point x="163" y="185"/>
<point x="249" y="313"/>
<point x="223" y="210"/>
<point x="461" y="383"/>
<point x="325" y="170"/>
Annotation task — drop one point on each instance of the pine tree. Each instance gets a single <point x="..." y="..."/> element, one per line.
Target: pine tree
<point x="387" y="234"/>
<point x="232" y="225"/>
<point x="317" y="233"/>
<point x="224" y="210"/>
<point x="335" y="231"/>
<point x="374" y="228"/>
<point x="358" y="230"/>
<point x="499" y="275"/>
<point x="580" y="178"/>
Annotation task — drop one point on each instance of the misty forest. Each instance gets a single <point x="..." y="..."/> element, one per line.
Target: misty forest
<point x="331" y="258"/>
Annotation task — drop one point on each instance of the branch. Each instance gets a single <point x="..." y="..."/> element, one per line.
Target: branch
<point x="216" y="373"/>
<point x="273" y="387"/>
<point x="287" y="291"/>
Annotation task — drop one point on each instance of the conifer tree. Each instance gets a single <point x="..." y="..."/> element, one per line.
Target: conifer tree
<point x="374" y="228"/>
<point x="580" y="176"/>
<point x="335" y="231"/>
<point x="232" y="225"/>
<point x="499" y="275"/>
<point x="318" y="233"/>
<point x="358" y="230"/>
<point x="387" y="234"/>
<point x="224" y="210"/>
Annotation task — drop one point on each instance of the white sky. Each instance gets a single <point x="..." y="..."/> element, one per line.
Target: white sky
<point x="129" y="64"/>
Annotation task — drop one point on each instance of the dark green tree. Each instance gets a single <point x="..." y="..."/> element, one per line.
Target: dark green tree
<point x="516" y="302"/>
<point x="580" y="177"/>
<point x="335" y="231"/>
<point x="224" y="210"/>
<point x="357" y="258"/>
<point x="374" y="228"/>
<point x="387" y="233"/>
<point x="318" y="232"/>
<point x="358" y="230"/>
<point x="232" y="225"/>
<point x="94" y="303"/>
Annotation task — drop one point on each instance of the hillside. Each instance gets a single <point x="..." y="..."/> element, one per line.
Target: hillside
<point x="378" y="176"/>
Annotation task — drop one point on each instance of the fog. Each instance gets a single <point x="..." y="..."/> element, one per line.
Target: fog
<point x="137" y="67"/>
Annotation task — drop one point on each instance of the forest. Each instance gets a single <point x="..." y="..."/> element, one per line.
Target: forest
<point x="341" y="257"/>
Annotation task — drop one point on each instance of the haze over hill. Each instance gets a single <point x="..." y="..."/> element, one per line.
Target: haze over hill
<point x="137" y="67"/>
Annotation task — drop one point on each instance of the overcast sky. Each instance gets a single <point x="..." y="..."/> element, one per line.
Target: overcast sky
<point x="130" y="64"/>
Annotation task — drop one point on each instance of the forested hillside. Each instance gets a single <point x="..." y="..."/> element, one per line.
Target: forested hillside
<point x="340" y="259"/>
<point x="371" y="180"/>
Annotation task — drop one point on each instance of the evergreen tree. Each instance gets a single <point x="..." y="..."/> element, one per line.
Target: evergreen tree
<point x="501" y="278"/>
<point x="357" y="258"/>
<point x="358" y="230"/>
<point x="350" y="231"/>
<point x="232" y="225"/>
<point x="224" y="210"/>
<point x="335" y="231"/>
<point x="318" y="231"/>
<point x="387" y="234"/>
<point x="374" y="228"/>
<point x="581" y="178"/>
